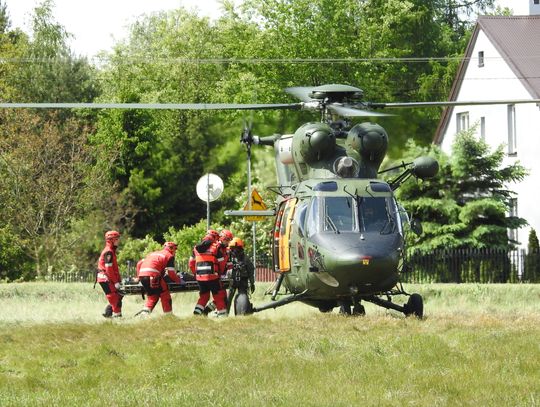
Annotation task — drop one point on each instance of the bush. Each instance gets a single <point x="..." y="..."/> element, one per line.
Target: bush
<point x="134" y="250"/>
<point x="187" y="237"/>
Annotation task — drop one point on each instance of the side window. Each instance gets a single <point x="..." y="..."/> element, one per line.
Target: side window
<point x="462" y="121"/>
<point x="312" y="221"/>
<point x="300" y="218"/>
<point x="512" y="137"/>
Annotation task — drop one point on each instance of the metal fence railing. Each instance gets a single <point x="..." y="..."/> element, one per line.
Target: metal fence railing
<point x="474" y="266"/>
<point x="440" y="266"/>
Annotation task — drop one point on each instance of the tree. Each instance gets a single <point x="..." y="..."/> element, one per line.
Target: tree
<point x="47" y="180"/>
<point x="251" y="54"/>
<point x="532" y="259"/>
<point x="466" y="204"/>
<point x="46" y="70"/>
<point x="12" y="46"/>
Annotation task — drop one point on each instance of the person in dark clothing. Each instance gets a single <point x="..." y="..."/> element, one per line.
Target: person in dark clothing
<point x="243" y="271"/>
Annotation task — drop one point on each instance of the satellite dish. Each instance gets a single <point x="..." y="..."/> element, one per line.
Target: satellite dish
<point x="209" y="187"/>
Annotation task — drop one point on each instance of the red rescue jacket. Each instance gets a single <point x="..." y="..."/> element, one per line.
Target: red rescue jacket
<point x="157" y="264"/>
<point x="206" y="262"/>
<point x="107" y="265"/>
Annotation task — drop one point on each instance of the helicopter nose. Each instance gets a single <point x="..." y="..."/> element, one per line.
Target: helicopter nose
<point x="367" y="263"/>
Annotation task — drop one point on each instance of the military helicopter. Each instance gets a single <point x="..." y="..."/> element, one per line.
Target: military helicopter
<point x="339" y="233"/>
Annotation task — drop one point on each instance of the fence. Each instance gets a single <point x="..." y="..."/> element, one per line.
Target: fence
<point x="474" y="266"/>
<point x="441" y="266"/>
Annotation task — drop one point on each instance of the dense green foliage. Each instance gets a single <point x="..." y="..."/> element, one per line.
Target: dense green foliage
<point x="466" y="204"/>
<point x="137" y="169"/>
<point x="532" y="261"/>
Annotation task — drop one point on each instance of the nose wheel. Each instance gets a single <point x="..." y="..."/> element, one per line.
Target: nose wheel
<point x="414" y="306"/>
<point x="353" y="307"/>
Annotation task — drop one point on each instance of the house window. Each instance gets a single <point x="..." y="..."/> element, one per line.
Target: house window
<point x="512" y="137"/>
<point x="462" y="121"/>
<point x="483" y="128"/>
<point x="480" y="59"/>
<point x="536" y="1"/>
<point x="513" y="213"/>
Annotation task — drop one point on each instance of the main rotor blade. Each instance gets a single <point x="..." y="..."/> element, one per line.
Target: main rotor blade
<point x="301" y="92"/>
<point x="352" y="112"/>
<point x="158" y="106"/>
<point x="451" y="103"/>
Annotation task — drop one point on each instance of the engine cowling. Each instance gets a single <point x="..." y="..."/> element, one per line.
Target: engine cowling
<point x="315" y="142"/>
<point x="370" y="142"/>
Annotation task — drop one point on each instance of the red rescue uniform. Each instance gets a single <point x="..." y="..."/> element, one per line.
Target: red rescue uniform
<point x="108" y="276"/>
<point x="208" y="267"/>
<point x="151" y="272"/>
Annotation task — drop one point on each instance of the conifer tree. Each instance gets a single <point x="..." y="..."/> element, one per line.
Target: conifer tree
<point x="466" y="205"/>
<point x="532" y="262"/>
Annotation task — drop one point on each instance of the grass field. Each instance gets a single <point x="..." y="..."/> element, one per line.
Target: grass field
<point x="478" y="345"/>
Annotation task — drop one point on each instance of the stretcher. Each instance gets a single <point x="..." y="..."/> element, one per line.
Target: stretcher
<point x="131" y="286"/>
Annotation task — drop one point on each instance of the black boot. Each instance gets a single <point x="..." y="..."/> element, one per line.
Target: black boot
<point x="108" y="311"/>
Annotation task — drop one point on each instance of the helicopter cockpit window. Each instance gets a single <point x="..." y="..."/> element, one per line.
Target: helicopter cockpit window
<point x="377" y="214"/>
<point x="339" y="214"/>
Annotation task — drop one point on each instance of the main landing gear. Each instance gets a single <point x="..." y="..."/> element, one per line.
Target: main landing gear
<point x="413" y="307"/>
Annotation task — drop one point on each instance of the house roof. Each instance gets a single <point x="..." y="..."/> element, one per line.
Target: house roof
<point x="517" y="39"/>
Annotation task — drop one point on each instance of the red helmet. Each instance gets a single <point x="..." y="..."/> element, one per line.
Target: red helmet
<point x="213" y="233"/>
<point x="209" y="236"/>
<point x="111" y="235"/>
<point x="226" y="234"/>
<point x="236" y="243"/>
<point x="170" y="246"/>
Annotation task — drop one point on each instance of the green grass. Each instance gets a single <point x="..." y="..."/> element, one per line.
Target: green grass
<point x="478" y="345"/>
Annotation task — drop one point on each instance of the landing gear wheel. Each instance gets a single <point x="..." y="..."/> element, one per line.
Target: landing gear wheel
<point x="414" y="306"/>
<point x="242" y="306"/>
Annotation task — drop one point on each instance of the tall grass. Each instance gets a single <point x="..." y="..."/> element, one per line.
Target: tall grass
<point x="479" y="345"/>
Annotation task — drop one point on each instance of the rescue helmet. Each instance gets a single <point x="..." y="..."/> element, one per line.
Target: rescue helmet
<point x="236" y="243"/>
<point x="170" y="246"/>
<point x="226" y="235"/>
<point x="111" y="235"/>
<point x="213" y="233"/>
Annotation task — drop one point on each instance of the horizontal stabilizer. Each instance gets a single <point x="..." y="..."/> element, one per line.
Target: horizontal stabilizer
<point x="250" y="213"/>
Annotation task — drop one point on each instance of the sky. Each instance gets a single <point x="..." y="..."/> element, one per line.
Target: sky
<point x="82" y="17"/>
<point x="98" y="24"/>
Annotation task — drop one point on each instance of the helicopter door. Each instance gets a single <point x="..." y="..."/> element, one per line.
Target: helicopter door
<point x="284" y="236"/>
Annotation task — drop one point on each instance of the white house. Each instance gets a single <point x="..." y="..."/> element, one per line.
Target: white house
<point x="502" y="61"/>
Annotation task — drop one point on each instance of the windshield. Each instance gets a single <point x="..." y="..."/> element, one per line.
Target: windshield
<point x="351" y="214"/>
<point x="374" y="214"/>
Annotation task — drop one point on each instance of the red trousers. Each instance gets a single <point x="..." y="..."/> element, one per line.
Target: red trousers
<point x="216" y="288"/>
<point x="155" y="291"/>
<point x="113" y="296"/>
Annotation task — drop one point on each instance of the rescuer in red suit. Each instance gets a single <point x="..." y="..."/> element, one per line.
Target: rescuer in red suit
<point x="204" y="264"/>
<point x="108" y="275"/>
<point x="151" y="271"/>
<point x="224" y="254"/>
